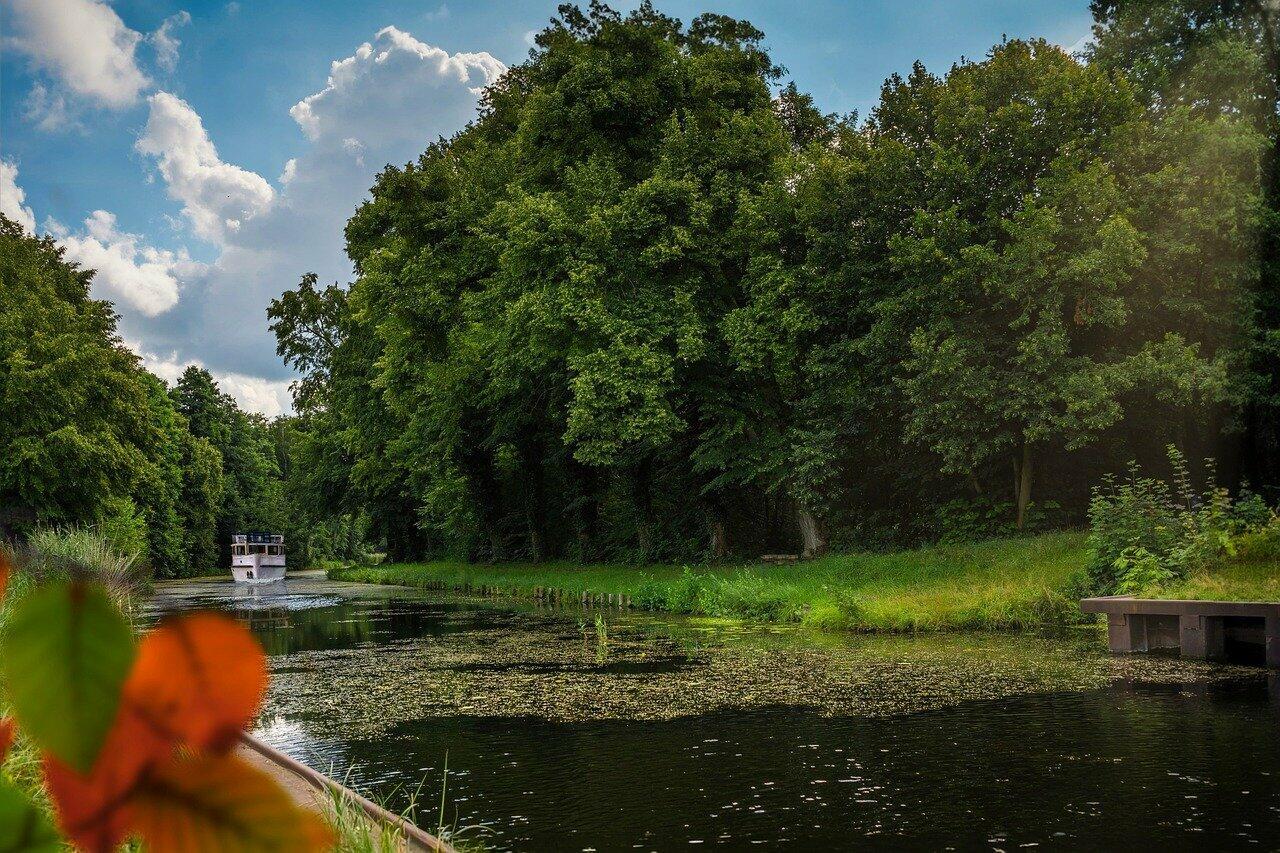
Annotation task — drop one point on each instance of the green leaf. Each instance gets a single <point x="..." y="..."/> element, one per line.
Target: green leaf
<point x="23" y="827"/>
<point x="65" y="657"/>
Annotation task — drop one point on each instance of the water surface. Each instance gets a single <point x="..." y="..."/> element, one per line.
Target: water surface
<point x="657" y="733"/>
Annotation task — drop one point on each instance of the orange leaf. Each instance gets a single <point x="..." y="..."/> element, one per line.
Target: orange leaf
<point x="6" y="737"/>
<point x="93" y="809"/>
<point x="209" y="802"/>
<point x="200" y="677"/>
<point x="5" y="569"/>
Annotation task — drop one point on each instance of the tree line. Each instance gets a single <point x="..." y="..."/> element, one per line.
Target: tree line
<point x="653" y="304"/>
<point x="90" y="438"/>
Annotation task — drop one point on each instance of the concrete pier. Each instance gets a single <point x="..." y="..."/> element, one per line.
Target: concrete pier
<point x="1205" y="630"/>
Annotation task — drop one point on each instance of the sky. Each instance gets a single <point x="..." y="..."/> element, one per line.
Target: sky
<point x="203" y="156"/>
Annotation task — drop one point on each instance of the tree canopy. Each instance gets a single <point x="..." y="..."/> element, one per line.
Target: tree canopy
<point x="653" y="304"/>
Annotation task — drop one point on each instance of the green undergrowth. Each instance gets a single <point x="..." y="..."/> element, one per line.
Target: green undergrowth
<point x="1006" y="584"/>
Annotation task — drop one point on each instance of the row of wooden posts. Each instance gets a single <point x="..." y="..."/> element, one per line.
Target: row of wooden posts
<point x="547" y="595"/>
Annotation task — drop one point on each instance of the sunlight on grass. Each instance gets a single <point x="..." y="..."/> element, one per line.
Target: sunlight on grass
<point x="1008" y="583"/>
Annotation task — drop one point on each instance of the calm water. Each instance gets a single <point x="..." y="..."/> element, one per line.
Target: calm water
<point x="658" y="734"/>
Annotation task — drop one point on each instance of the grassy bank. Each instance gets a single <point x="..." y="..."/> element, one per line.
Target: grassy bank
<point x="1002" y="584"/>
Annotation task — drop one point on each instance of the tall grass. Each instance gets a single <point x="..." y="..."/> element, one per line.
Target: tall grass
<point x="53" y="553"/>
<point x="1003" y="584"/>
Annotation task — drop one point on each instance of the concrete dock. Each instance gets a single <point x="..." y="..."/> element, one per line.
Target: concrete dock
<point x="1238" y="631"/>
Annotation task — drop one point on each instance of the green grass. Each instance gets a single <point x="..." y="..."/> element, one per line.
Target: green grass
<point x="1237" y="580"/>
<point x="1001" y="584"/>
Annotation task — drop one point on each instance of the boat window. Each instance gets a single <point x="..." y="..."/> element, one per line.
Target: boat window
<point x="273" y="550"/>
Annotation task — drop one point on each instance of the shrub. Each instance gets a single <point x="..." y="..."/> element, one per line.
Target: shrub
<point x="974" y="520"/>
<point x="1145" y="532"/>
<point x="1137" y="570"/>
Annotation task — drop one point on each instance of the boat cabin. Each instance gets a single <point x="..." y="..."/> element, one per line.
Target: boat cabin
<point x="257" y="557"/>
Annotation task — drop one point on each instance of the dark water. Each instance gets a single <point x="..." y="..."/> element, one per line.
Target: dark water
<point x="666" y="734"/>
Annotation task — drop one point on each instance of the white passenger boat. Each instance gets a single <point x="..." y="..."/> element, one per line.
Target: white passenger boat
<point x="257" y="557"/>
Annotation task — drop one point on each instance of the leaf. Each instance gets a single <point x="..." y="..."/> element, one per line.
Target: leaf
<point x="208" y="802"/>
<point x="200" y="677"/>
<point x="6" y="569"/>
<point x="6" y="737"/>
<point x="65" y="656"/>
<point x="22" y="826"/>
<point x="94" y="809"/>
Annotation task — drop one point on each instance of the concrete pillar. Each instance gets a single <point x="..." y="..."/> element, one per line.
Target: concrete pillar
<point x="1126" y="633"/>
<point x="1201" y="637"/>
<point x="1272" y="638"/>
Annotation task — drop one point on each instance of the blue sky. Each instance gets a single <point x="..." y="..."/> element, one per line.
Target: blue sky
<point x="153" y="137"/>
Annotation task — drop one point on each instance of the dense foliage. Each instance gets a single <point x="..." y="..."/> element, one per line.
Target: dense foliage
<point x="651" y="305"/>
<point x="93" y="439"/>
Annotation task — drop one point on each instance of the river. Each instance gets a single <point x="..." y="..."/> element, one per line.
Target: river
<point x="653" y="732"/>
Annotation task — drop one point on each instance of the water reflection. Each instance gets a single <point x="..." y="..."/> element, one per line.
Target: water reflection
<point x="693" y="732"/>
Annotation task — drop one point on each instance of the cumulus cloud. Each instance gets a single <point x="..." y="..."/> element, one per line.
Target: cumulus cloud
<point x="386" y="91"/>
<point x="81" y="43"/>
<point x="268" y="397"/>
<point x="128" y="271"/>
<point x="165" y="43"/>
<point x="217" y="197"/>
<point x="12" y="197"/>
<point x="383" y="104"/>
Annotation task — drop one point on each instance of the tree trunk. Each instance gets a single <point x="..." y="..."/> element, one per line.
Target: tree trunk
<point x="812" y="542"/>
<point x="486" y="495"/>
<point x="642" y="499"/>
<point x="535" y="500"/>
<point x="586" y="514"/>
<point x="1022" y="484"/>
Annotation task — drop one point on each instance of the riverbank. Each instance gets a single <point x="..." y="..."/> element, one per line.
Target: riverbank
<point x="1005" y="584"/>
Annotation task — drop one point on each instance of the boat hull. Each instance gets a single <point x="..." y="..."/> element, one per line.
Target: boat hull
<point x="257" y="574"/>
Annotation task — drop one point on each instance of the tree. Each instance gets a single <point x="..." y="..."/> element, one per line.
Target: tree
<point x="1219" y="59"/>
<point x="72" y="442"/>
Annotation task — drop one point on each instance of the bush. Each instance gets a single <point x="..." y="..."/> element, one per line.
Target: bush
<point x="1146" y="532"/>
<point x="966" y="520"/>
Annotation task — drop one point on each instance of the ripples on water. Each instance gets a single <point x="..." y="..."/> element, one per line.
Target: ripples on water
<point x="690" y="732"/>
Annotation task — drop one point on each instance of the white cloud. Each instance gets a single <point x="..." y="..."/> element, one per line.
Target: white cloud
<point x="383" y="104"/>
<point x="269" y="397"/>
<point x="12" y="197"/>
<point x="390" y="89"/>
<point x="265" y="396"/>
<point x="55" y="228"/>
<point x="83" y="44"/>
<point x="165" y="43"/>
<point x="217" y="197"/>
<point x="1085" y="41"/>
<point x="440" y="14"/>
<point x="128" y="271"/>
<point x="48" y="110"/>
